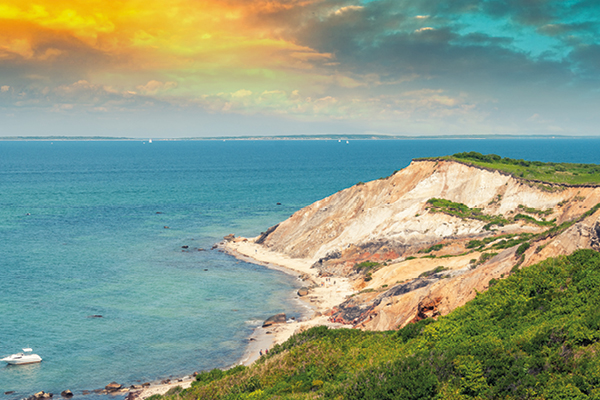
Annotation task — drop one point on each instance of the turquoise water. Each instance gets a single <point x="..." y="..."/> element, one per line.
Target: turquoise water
<point x="82" y="233"/>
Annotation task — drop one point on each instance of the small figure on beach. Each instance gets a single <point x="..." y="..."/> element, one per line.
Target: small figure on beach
<point x="260" y="352"/>
<point x="267" y="351"/>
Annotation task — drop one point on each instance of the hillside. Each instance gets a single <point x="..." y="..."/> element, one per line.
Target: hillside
<point x="426" y="239"/>
<point x="533" y="335"/>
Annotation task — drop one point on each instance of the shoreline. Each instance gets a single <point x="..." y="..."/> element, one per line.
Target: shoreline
<point x="323" y="296"/>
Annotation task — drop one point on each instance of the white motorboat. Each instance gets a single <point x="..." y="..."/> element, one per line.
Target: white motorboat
<point x="26" y="357"/>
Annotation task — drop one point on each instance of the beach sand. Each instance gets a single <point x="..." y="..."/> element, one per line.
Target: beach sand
<point x="323" y="296"/>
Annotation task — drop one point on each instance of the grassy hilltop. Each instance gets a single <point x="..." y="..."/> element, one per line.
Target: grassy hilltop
<point x="561" y="173"/>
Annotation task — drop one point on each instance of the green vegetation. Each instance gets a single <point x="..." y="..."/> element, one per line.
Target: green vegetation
<point x="463" y="211"/>
<point x="367" y="267"/>
<point x="561" y="173"/>
<point x="531" y="210"/>
<point x="437" y="269"/>
<point x="527" y="218"/>
<point x="522" y="248"/>
<point x="534" y="335"/>
<point x="435" y="247"/>
<point x="484" y="257"/>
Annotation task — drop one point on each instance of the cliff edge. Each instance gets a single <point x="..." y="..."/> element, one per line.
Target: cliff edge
<point x="426" y="239"/>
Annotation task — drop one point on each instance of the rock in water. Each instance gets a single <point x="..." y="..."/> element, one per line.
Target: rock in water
<point x="112" y="387"/>
<point x="66" y="393"/>
<point x="303" y="291"/>
<point x="275" y="319"/>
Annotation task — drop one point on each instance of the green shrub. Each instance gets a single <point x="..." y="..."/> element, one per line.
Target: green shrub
<point x="413" y="330"/>
<point x="522" y="248"/>
<point x="435" y="247"/>
<point x="409" y="378"/>
<point x="474" y="243"/>
<point x="366" y="266"/>
<point x="437" y="269"/>
<point x="463" y="211"/>
<point x="174" y="390"/>
<point x="484" y="257"/>
<point x="209" y="376"/>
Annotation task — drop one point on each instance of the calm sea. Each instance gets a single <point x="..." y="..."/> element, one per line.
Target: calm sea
<point x="82" y="233"/>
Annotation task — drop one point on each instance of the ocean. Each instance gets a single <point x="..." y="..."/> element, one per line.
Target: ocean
<point x="99" y="228"/>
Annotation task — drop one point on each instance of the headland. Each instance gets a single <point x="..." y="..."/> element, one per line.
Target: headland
<point x="415" y="246"/>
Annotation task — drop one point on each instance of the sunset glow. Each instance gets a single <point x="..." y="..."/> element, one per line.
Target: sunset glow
<point x="392" y="67"/>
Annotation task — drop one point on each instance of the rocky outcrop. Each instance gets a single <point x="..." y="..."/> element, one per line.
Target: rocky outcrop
<point x="390" y="223"/>
<point x="275" y="319"/>
<point x="113" y="387"/>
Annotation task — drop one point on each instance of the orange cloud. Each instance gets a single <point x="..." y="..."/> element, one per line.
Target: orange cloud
<point x="149" y="34"/>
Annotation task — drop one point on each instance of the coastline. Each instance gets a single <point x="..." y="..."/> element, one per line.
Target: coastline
<point x="322" y="297"/>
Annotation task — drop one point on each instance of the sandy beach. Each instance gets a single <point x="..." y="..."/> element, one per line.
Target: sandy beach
<point x="323" y="296"/>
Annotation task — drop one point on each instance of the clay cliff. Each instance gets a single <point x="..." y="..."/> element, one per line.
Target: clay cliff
<point x="426" y="239"/>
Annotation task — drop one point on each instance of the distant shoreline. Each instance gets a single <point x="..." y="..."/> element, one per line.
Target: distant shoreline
<point x="285" y="138"/>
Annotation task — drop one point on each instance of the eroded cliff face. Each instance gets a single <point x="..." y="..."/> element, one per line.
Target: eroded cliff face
<point x="390" y="221"/>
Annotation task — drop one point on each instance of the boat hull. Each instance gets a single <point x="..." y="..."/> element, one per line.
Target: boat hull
<point x="21" y="360"/>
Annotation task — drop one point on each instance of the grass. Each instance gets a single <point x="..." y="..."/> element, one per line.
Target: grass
<point x="559" y="173"/>
<point x="437" y="269"/>
<point x="435" y="247"/>
<point x="463" y="211"/>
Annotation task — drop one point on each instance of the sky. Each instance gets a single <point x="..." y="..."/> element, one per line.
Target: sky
<point x="198" y="68"/>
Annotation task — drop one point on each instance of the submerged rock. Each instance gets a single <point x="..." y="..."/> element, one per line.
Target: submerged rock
<point x="66" y="393"/>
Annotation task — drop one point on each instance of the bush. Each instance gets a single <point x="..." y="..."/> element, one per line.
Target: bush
<point x="409" y="378"/>
<point x="522" y="248"/>
<point x="437" y="269"/>
<point x="435" y="247"/>
<point x="413" y="330"/>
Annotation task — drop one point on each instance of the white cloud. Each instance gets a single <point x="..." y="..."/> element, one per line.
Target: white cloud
<point x="4" y="88"/>
<point x="153" y="87"/>
<point x="241" y="93"/>
<point x="347" y="8"/>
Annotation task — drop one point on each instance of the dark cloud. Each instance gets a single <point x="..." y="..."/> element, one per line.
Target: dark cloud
<point x="568" y="29"/>
<point x="529" y="12"/>
<point x="587" y="59"/>
<point x="46" y="54"/>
